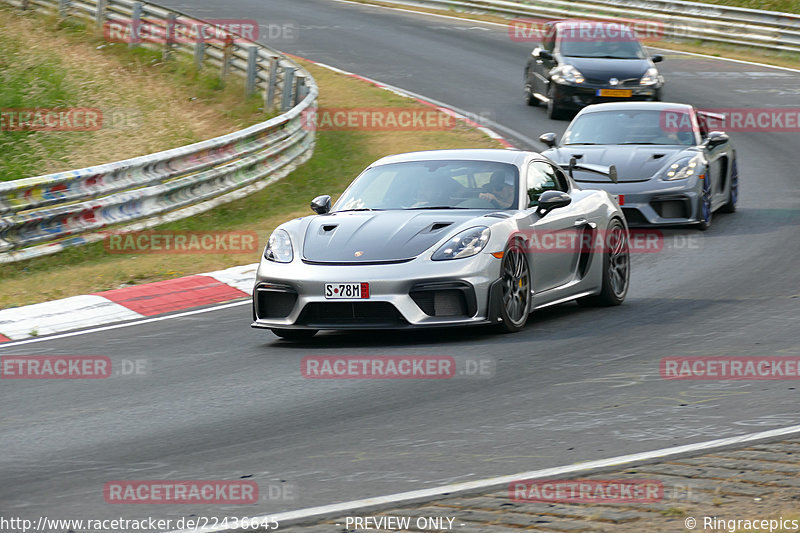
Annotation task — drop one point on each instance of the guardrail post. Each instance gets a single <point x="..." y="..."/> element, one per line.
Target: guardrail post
<point x="288" y="82"/>
<point x="272" y="84"/>
<point x="252" y="69"/>
<point x="169" y="42"/>
<point x="302" y="90"/>
<point x="136" y="23"/>
<point x="63" y="8"/>
<point x="227" y="54"/>
<point x="100" y="14"/>
<point x="199" y="51"/>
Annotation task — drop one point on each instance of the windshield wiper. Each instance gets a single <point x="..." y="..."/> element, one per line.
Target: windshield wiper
<point x="639" y="143"/>
<point x="578" y="144"/>
<point x="358" y="209"/>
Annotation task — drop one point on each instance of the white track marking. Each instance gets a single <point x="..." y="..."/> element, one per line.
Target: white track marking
<point x="125" y="324"/>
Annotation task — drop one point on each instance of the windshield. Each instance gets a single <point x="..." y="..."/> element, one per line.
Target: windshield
<point x="433" y="185"/>
<point x="628" y="127"/>
<point x="584" y="46"/>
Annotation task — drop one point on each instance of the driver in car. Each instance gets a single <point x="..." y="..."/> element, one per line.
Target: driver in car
<point x="501" y="189"/>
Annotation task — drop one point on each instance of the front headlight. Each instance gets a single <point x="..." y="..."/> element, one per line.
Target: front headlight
<point x="683" y="169"/>
<point x="650" y="77"/>
<point x="466" y="244"/>
<point x="279" y="248"/>
<point x="566" y="74"/>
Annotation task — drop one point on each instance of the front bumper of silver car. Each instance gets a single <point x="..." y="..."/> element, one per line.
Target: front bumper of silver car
<point x="655" y="202"/>
<point x="415" y="293"/>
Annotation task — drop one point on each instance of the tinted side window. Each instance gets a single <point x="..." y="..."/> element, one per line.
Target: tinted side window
<point x="543" y="177"/>
<point x="549" y="42"/>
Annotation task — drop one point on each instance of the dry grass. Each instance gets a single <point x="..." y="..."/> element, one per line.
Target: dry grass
<point x="136" y="121"/>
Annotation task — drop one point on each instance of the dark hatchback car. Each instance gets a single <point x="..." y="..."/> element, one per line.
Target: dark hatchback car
<point x="580" y="63"/>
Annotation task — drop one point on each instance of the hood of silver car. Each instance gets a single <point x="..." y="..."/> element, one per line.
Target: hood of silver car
<point x="379" y="236"/>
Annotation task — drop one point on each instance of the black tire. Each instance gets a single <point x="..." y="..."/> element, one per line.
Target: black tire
<point x="705" y="212"/>
<point x="616" y="268"/>
<point x="553" y="111"/>
<point x="530" y="98"/>
<point x="515" y="304"/>
<point x="294" y="334"/>
<point x="733" y="191"/>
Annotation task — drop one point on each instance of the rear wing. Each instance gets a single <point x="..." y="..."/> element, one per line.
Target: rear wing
<point x="610" y="171"/>
<point x="711" y="121"/>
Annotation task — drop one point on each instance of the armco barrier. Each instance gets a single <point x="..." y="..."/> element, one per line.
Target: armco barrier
<point x="684" y="20"/>
<point x="44" y="214"/>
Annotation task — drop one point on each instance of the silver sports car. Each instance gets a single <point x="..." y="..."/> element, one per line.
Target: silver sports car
<point x="444" y="238"/>
<point x="672" y="169"/>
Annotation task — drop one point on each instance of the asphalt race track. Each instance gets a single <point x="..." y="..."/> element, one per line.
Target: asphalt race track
<point x="221" y="401"/>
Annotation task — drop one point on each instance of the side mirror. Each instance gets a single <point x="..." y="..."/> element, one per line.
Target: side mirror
<point x="321" y="204"/>
<point x="657" y="58"/>
<point x="548" y="139"/>
<point x="550" y="200"/>
<point x="717" y="137"/>
<point x="544" y="54"/>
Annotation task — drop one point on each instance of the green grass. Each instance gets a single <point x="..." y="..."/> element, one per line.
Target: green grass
<point x="33" y="74"/>
<point x="25" y="86"/>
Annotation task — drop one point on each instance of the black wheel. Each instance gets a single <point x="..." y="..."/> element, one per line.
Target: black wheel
<point x="704" y="211"/>
<point x="616" y="268"/>
<point x="516" y="283"/>
<point x="553" y="111"/>
<point x="733" y="191"/>
<point x="294" y="334"/>
<point x="530" y="99"/>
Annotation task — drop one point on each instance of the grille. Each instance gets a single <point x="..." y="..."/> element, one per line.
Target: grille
<point x="445" y="298"/>
<point x="678" y="208"/>
<point x="633" y="216"/>
<point x="350" y="314"/>
<point x="449" y="302"/>
<point x="274" y="303"/>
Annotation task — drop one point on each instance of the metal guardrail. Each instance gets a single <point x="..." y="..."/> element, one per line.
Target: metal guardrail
<point x="679" y="19"/>
<point x="45" y="214"/>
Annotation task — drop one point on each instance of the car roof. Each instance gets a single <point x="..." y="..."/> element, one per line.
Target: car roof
<point x="513" y="157"/>
<point x="637" y="106"/>
<point x="570" y="23"/>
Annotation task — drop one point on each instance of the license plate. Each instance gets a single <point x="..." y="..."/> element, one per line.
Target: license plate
<point x="347" y="291"/>
<point x="619" y="93"/>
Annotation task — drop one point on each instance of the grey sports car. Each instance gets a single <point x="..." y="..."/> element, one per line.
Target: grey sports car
<point x="671" y="169"/>
<point x="443" y="238"/>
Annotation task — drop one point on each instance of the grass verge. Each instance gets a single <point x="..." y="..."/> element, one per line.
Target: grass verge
<point x="47" y="63"/>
